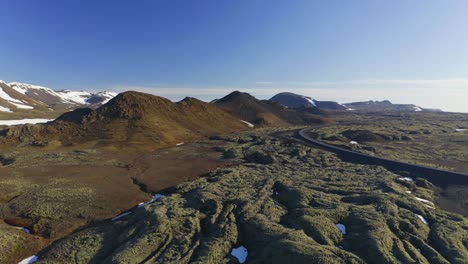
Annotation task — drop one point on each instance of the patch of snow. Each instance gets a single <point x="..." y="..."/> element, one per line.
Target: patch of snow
<point x="310" y="100"/>
<point x="430" y="207"/>
<point x="462" y="130"/>
<point x="23" y="229"/>
<point x="106" y="95"/>
<point x="154" y="199"/>
<point x="408" y="179"/>
<point x="21" y="106"/>
<point x="7" y="97"/>
<point x="5" y="109"/>
<point x="342" y="228"/>
<point x="24" y="87"/>
<point x="407" y="191"/>
<point x="240" y="253"/>
<point x="350" y="109"/>
<point x="247" y="123"/>
<point x="29" y="260"/>
<point x="421" y="218"/>
<point x="180" y="144"/>
<point x="24" y="121"/>
<point x="417" y="109"/>
<point x="77" y="97"/>
<point x="120" y="216"/>
<point x="424" y="201"/>
<point x="353" y="143"/>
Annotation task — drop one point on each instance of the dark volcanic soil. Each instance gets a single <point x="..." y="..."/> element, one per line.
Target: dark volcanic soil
<point x="67" y="188"/>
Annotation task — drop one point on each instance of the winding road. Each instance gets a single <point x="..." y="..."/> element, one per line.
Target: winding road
<point x="436" y="176"/>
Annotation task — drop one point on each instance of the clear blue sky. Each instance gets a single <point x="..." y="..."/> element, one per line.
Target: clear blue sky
<point x="341" y="50"/>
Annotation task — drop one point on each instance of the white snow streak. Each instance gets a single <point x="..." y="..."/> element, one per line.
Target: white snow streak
<point x="21" y="106"/>
<point x="154" y="199"/>
<point x="24" y="121"/>
<point x="421" y="218"/>
<point x="424" y="201"/>
<point x="29" y="260"/>
<point x="120" y="216"/>
<point x="5" y="109"/>
<point x="408" y="179"/>
<point x="247" y="123"/>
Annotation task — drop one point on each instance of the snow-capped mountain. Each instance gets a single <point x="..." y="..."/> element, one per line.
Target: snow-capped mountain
<point x="16" y="96"/>
<point x="386" y="105"/>
<point x="292" y="100"/>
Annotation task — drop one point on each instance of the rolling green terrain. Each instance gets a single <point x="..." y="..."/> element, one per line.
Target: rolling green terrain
<point x="434" y="140"/>
<point x="283" y="203"/>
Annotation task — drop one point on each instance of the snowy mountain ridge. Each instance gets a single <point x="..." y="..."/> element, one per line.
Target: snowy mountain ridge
<point x="17" y="95"/>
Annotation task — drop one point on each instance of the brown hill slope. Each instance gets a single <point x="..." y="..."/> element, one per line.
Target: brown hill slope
<point x="131" y="117"/>
<point x="266" y="113"/>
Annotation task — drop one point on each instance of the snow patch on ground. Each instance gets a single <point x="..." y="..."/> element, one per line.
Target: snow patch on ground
<point x="154" y="199"/>
<point x="78" y="97"/>
<point x="417" y="109"/>
<point x="424" y="201"/>
<point x="24" y="87"/>
<point x="247" y="123"/>
<point x="7" y="97"/>
<point x="29" y="260"/>
<point x="353" y="143"/>
<point x="408" y="192"/>
<point x="180" y="144"/>
<point x="342" y="228"/>
<point x="5" y="109"/>
<point x="24" y="121"/>
<point x="107" y="96"/>
<point x="408" y="179"/>
<point x="312" y="102"/>
<point x="23" y="229"/>
<point x="462" y="130"/>
<point x="421" y="218"/>
<point x="240" y="253"/>
<point x="120" y="216"/>
<point x="21" y="106"/>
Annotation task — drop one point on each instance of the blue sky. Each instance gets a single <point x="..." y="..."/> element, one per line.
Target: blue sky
<point x="405" y="51"/>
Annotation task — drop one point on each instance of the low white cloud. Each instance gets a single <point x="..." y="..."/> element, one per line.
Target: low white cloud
<point x="445" y="94"/>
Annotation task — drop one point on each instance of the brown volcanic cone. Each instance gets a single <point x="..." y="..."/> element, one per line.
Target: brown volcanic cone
<point x="265" y="113"/>
<point x="133" y="117"/>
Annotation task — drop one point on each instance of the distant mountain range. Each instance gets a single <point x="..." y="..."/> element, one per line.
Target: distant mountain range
<point x="387" y="106"/>
<point x="22" y="97"/>
<point x="21" y="100"/>
<point x="292" y="100"/>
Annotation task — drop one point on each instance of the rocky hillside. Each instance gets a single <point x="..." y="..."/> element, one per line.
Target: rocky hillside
<point x="266" y="113"/>
<point x="292" y="100"/>
<point x="383" y="106"/>
<point x="21" y="98"/>
<point x="130" y="117"/>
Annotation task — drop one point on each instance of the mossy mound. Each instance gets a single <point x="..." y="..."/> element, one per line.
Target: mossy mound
<point x="282" y="211"/>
